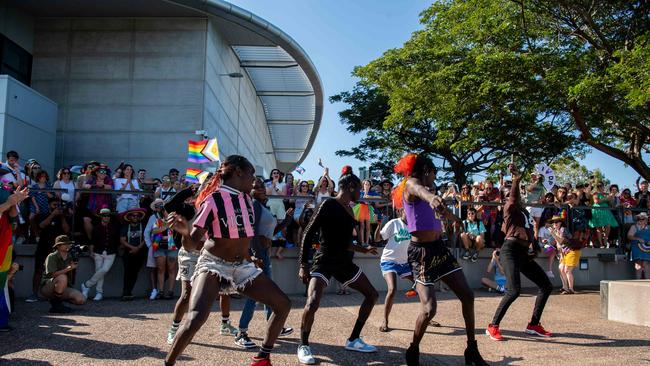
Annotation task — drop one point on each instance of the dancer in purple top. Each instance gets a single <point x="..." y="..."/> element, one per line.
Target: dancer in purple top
<point x="429" y="258"/>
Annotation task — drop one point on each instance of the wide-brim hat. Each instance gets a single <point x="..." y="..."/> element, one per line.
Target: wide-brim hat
<point x="139" y="212"/>
<point x="555" y="219"/>
<point x="157" y="201"/>
<point x="61" y="240"/>
<point x="642" y="215"/>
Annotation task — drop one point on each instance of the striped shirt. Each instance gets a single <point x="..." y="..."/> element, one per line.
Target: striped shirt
<point x="227" y="214"/>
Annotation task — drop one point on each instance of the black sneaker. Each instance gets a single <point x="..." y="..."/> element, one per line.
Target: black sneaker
<point x="466" y="255"/>
<point x="475" y="257"/>
<point x="286" y="331"/>
<point x="243" y="341"/>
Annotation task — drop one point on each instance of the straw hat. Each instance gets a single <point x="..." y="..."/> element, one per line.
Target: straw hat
<point x="555" y="218"/>
<point x="156" y="202"/>
<point x="642" y="215"/>
<point x="138" y="213"/>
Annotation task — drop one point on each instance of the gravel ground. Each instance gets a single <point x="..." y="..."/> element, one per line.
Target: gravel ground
<point x="133" y="333"/>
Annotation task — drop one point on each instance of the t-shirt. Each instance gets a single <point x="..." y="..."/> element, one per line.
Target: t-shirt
<point x="475" y="227"/>
<point x="48" y="233"/>
<point x="227" y="213"/>
<point x="121" y="182"/>
<point x="336" y="226"/>
<point x="133" y="234"/>
<point x="53" y="263"/>
<point x="545" y="237"/>
<point x="398" y="236"/>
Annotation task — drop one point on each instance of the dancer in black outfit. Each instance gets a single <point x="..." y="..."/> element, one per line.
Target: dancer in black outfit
<point x="515" y="260"/>
<point x="336" y="223"/>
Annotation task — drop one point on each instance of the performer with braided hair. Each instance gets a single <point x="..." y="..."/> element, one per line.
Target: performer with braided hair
<point x="335" y="221"/>
<point x="429" y="258"/>
<point x="226" y="216"/>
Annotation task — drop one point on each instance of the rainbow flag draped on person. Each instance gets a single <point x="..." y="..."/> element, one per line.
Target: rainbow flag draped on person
<point x="194" y="149"/>
<point x="6" y="252"/>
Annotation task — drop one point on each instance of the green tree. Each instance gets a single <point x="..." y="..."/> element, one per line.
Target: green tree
<point x="521" y="76"/>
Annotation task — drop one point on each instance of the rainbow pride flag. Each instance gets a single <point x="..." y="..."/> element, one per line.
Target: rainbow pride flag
<point x="192" y="175"/>
<point x="194" y="149"/>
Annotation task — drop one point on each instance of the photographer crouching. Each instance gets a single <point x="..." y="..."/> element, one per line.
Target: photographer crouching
<point x="60" y="270"/>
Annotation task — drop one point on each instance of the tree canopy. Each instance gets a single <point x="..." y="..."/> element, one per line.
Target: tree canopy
<point x="492" y="77"/>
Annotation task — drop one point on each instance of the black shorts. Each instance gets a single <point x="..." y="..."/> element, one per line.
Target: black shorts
<point x="344" y="271"/>
<point x="431" y="261"/>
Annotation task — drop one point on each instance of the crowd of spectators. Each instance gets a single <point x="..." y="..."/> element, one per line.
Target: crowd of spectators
<point x="85" y="204"/>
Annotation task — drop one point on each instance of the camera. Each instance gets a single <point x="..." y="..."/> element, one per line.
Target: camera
<point x="75" y="251"/>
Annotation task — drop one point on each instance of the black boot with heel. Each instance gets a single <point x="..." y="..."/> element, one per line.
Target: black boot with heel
<point x="472" y="356"/>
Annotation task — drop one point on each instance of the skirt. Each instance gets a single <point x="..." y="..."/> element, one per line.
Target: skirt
<point x="601" y="217"/>
<point x="364" y="212"/>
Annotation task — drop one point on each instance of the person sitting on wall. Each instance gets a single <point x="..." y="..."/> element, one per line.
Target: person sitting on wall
<point x="60" y="270"/>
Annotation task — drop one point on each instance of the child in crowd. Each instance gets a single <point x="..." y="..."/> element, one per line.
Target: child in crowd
<point x="547" y="243"/>
<point x="499" y="282"/>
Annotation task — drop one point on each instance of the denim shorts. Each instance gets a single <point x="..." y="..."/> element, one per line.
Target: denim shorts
<point x="186" y="264"/>
<point x="235" y="276"/>
<point x="401" y="269"/>
<point x="169" y="253"/>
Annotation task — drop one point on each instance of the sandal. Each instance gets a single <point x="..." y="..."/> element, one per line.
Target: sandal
<point x="434" y="323"/>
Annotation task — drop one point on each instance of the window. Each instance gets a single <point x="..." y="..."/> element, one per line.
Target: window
<point x="15" y="61"/>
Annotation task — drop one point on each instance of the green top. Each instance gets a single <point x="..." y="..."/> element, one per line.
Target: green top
<point x="53" y="263"/>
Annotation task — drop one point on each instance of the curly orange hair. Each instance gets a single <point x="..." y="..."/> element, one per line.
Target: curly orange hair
<point x="403" y="167"/>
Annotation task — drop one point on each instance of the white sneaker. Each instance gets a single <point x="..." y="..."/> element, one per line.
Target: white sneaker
<point x="84" y="290"/>
<point x="171" y="334"/>
<point x="359" y="345"/>
<point x="153" y="295"/>
<point x="98" y="297"/>
<point x="550" y="274"/>
<point x="305" y="356"/>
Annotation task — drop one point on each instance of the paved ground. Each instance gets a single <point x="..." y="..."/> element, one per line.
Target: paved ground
<point x="116" y="333"/>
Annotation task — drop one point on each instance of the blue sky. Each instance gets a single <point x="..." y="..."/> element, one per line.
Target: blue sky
<point x="339" y="35"/>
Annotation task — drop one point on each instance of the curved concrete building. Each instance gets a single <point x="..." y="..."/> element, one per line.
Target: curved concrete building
<point x="132" y="80"/>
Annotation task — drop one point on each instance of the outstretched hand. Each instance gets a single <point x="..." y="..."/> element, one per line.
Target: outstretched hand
<point x="178" y="223"/>
<point x="18" y="196"/>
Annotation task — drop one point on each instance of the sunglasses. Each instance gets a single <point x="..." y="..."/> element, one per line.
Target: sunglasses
<point x="101" y="171"/>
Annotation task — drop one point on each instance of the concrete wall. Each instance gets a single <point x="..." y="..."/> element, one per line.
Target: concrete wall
<point x="231" y="104"/>
<point x="128" y="89"/>
<point x="27" y="123"/>
<point x="137" y="89"/>
<point x="17" y="25"/>
<point x="285" y="272"/>
<point x="626" y="301"/>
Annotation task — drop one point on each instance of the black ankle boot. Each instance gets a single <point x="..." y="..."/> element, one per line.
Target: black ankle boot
<point x="472" y="356"/>
<point x="413" y="355"/>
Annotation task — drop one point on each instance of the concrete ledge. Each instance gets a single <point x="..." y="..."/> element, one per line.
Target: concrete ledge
<point x="626" y="301"/>
<point x="285" y="272"/>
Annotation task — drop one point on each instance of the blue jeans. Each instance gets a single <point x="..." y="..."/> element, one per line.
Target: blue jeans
<point x="249" y="306"/>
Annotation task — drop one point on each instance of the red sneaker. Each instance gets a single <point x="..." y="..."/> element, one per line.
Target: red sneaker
<point x="411" y="293"/>
<point x="261" y="362"/>
<point x="494" y="332"/>
<point x="537" y="330"/>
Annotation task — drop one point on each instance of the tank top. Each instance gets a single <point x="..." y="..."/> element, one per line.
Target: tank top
<point x="420" y="216"/>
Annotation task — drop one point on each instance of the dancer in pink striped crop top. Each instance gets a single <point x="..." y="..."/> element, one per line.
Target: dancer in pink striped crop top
<point x="224" y="228"/>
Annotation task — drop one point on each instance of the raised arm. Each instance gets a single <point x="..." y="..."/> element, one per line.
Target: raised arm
<point x="515" y="190"/>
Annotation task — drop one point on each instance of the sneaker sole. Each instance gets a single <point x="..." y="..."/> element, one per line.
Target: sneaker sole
<point x="246" y="347"/>
<point x="360" y="350"/>
<point x="493" y="338"/>
<point x="286" y="334"/>
<point x="308" y="362"/>
<point x="532" y="332"/>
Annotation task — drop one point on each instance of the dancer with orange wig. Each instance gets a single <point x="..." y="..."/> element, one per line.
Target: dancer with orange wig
<point x="226" y="216"/>
<point x="429" y="258"/>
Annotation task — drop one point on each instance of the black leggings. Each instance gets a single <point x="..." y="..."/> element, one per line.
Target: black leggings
<point x="515" y="261"/>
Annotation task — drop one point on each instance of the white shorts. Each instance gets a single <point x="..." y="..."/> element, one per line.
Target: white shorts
<point x="186" y="264"/>
<point x="235" y="276"/>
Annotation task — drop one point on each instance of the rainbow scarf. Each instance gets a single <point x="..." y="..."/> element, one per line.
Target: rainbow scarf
<point x="194" y="149"/>
<point x="157" y="238"/>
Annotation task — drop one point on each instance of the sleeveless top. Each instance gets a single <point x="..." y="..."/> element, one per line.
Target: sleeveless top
<point x="420" y="216"/>
<point x="227" y="214"/>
